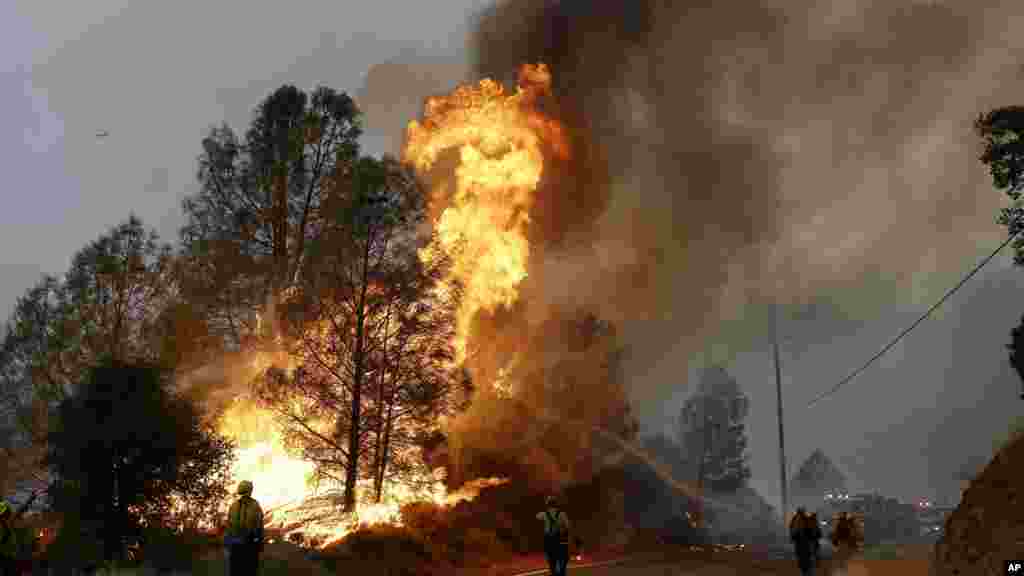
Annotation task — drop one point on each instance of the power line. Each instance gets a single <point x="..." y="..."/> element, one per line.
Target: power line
<point x="914" y="325"/>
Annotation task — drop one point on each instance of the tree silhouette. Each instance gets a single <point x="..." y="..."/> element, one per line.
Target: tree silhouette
<point x="816" y="477"/>
<point x="123" y="447"/>
<point x="1016" y="348"/>
<point x="712" y="432"/>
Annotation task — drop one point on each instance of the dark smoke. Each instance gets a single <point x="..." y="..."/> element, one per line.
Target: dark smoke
<point x="735" y="154"/>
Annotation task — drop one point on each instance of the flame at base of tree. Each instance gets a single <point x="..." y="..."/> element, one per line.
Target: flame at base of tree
<point x="502" y="140"/>
<point x="298" y="507"/>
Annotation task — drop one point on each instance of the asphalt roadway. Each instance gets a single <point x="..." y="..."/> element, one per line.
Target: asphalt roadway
<point x="663" y="566"/>
<point x="736" y="565"/>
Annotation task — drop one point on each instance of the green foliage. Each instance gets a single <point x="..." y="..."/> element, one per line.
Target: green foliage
<point x="124" y="448"/>
<point x="1001" y="130"/>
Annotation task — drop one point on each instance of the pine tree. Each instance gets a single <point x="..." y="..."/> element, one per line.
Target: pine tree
<point x="713" y="435"/>
<point x="816" y="477"/>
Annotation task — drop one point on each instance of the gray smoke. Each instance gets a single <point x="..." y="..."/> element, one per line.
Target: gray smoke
<point x="732" y="155"/>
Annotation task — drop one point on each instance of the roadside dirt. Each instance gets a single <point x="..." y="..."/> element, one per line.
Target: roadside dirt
<point x="987" y="528"/>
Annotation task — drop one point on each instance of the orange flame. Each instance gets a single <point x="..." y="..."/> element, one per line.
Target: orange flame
<point x="501" y="139"/>
<point x="282" y="481"/>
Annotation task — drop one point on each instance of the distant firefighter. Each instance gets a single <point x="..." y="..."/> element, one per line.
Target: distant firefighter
<point x="844" y="540"/>
<point x="805" y="533"/>
<point x="556" y="536"/>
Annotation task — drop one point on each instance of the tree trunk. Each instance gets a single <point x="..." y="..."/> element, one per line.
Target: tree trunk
<point x="279" y="225"/>
<point x="351" y="474"/>
<point x="378" y="461"/>
<point x="388" y="423"/>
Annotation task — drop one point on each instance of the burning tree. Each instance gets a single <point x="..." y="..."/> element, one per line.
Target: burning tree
<point x="415" y="377"/>
<point x="369" y="334"/>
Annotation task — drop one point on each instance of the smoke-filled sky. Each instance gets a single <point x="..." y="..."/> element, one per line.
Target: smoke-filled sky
<point x="817" y="154"/>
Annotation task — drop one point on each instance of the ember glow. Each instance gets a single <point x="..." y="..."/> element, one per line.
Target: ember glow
<point x="501" y="140"/>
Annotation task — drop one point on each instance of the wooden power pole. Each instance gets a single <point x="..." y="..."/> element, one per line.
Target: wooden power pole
<point x="778" y="393"/>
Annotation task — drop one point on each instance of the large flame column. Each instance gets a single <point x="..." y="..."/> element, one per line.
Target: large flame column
<point x="501" y="140"/>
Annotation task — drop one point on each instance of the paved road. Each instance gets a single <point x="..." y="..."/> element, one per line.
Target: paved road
<point x="738" y="566"/>
<point x="665" y="567"/>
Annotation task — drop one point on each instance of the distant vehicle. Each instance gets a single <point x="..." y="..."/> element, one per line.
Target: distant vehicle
<point x="102" y="133"/>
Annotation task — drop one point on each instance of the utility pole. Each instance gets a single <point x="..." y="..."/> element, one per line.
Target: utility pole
<point x="778" y="393"/>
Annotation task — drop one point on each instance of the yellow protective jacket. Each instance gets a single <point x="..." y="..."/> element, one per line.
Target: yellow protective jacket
<point x="556" y="523"/>
<point x="245" y="520"/>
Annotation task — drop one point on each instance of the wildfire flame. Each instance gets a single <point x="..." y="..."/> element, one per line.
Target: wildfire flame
<point x="295" y="506"/>
<point x="501" y="139"/>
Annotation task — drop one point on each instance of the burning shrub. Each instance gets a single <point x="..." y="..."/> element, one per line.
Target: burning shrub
<point x="385" y="540"/>
<point x="425" y="520"/>
<point x="482" y="543"/>
<point x="379" y="549"/>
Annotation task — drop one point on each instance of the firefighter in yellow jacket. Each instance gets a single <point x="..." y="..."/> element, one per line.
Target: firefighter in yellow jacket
<point x="556" y="536"/>
<point x="244" y="535"/>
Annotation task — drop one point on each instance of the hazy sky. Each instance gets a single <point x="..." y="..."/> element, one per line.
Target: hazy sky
<point x="157" y="75"/>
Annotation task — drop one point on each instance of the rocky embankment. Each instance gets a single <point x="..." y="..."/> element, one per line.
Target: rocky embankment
<point x="987" y="528"/>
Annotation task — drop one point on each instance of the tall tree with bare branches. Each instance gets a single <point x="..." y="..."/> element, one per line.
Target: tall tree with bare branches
<point x="355" y="326"/>
<point x="262" y="200"/>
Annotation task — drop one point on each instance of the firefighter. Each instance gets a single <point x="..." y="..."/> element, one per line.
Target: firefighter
<point x="844" y="540"/>
<point x="244" y="535"/>
<point x="8" y="541"/>
<point x="805" y="532"/>
<point x="556" y="536"/>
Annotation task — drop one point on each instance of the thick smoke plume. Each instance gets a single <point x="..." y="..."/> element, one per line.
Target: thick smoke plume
<point x="731" y="155"/>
